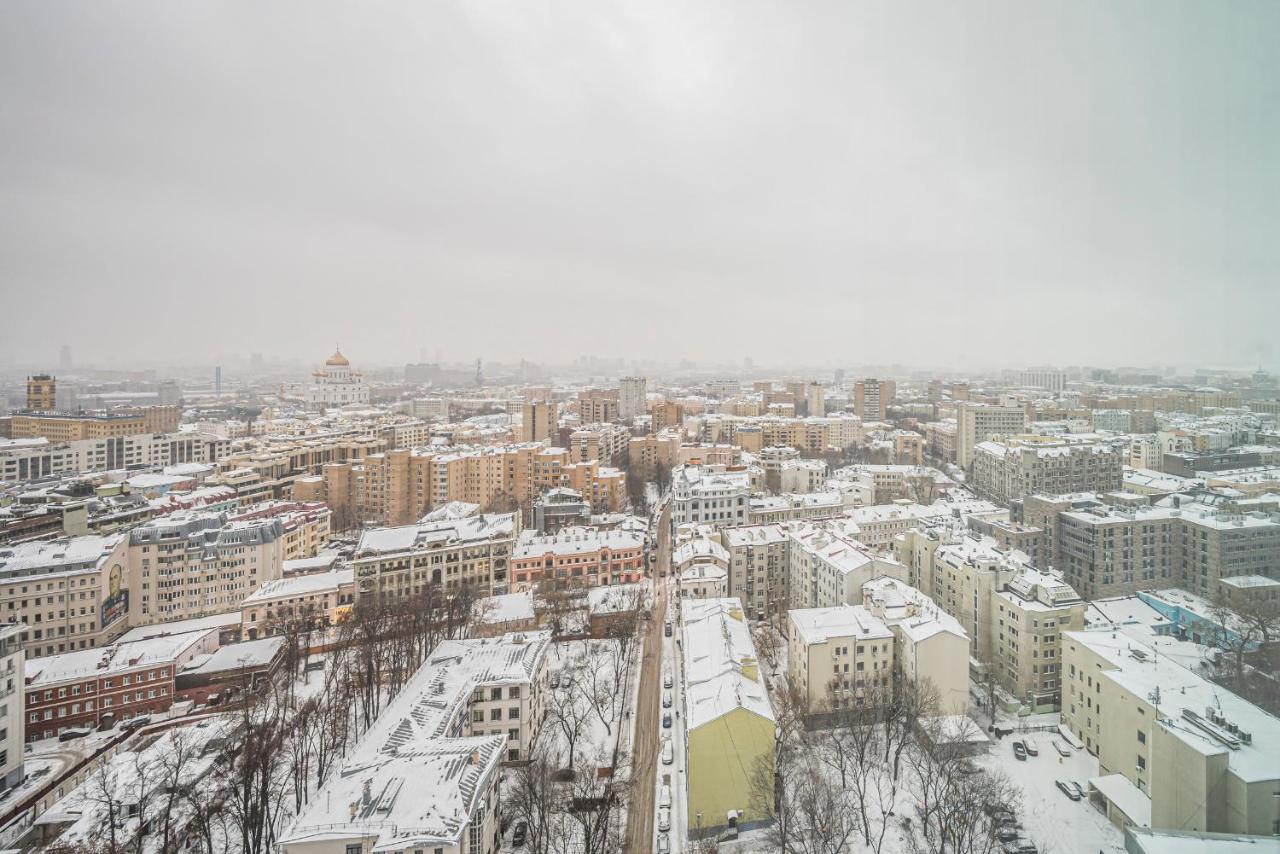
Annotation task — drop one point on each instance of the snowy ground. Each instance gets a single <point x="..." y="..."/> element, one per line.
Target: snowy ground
<point x="1056" y="823"/>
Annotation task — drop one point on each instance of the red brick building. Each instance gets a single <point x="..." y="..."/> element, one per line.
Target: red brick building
<point x="101" y="687"/>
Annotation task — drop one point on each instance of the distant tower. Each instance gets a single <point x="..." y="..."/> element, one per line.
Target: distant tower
<point x="839" y="378"/>
<point x="479" y="375"/>
<point x="64" y="357"/>
<point x="217" y="381"/>
<point x="42" y="393"/>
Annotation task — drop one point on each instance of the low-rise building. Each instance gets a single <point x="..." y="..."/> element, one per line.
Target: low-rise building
<point x="729" y="734"/>
<point x="930" y="645"/>
<point x="470" y="552"/>
<point x="322" y="599"/>
<point x="100" y="687"/>
<point x="578" y="556"/>
<point x="1195" y="755"/>
<point x="839" y="657"/>
<point x="426" y="774"/>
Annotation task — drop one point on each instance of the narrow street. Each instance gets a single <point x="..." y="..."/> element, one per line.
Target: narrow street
<point x="640" y="812"/>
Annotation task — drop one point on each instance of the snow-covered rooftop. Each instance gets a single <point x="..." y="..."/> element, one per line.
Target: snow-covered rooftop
<point x="423" y="535"/>
<point x="816" y="625"/>
<point x="314" y="584"/>
<point x="720" y="665"/>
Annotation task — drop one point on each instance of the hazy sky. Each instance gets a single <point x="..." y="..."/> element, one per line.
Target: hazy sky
<point x="1013" y="183"/>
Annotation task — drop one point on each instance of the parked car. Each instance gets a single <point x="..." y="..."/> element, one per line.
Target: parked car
<point x="666" y="679"/>
<point x="1030" y="746"/>
<point x="664" y="844"/>
<point x="1067" y="790"/>
<point x="666" y="628"/>
<point x="1076" y="787"/>
<point x="1058" y="746"/>
<point x="666" y="721"/>
<point x="664" y="820"/>
<point x="134" y="723"/>
<point x="1006" y="834"/>
<point x="1019" y="752"/>
<point x="555" y="680"/>
<point x="666" y="699"/>
<point x="74" y="733"/>
<point x="522" y="832"/>
<point x="668" y="752"/>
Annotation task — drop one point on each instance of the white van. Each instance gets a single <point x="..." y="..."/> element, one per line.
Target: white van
<point x="666" y="699"/>
<point x="668" y="752"/>
<point x="664" y="798"/>
<point x="666" y="679"/>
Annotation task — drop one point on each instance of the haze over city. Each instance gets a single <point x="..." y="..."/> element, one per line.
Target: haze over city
<point x="1096" y="184"/>
<point x="830" y="427"/>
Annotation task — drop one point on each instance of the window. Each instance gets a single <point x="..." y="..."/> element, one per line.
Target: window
<point x="1142" y="737"/>
<point x="355" y="849"/>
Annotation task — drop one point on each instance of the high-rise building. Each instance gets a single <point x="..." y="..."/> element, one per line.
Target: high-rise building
<point x="978" y="422"/>
<point x="42" y="393"/>
<point x="815" y="399"/>
<point x="871" y="398"/>
<point x="632" y="392"/>
<point x="540" y="422"/>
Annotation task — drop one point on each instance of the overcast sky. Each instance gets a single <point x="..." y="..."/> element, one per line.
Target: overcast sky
<point x="1003" y="183"/>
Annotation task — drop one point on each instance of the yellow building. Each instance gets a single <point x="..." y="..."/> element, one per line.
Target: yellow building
<point x="42" y="393"/>
<point x="67" y="427"/>
<point x="729" y="720"/>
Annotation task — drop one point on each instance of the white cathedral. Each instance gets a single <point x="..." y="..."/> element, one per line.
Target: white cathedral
<point x="336" y="385"/>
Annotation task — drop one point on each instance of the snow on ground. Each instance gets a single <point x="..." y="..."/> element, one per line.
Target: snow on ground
<point x="1048" y="815"/>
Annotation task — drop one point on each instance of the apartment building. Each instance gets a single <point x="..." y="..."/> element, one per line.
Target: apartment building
<point x="29" y="459"/>
<point x="632" y="397"/>
<point x="826" y="567"/>
<point x="193" y="563"/>
<point x="665" y="415"/>
<point x="709" y="494"/>
<point x="1013" y="614"/>
<point x="759" y="557"/>
<point x="577" y="556"/>
<point x="101" y="687"/>
<point x="606" y="443"/>
<point x="114" y="423"/>
<point x="871" y="398"/>
<point x="539" y="421"/>
<point x="1189" y="754"/>
<point x="1005" y="471"/>
<point x="474" y="551"/>
<point x="645" y="454"/>
<point x="940" y="438"/>
<point x="42" y="393"/>
<point x="67" y="594"/>
<point x="930" y="645"/>
<point x="978" y="422"/>
<point x="1042" y="378"/>
<point x="13" y="726"/>
<point x="1106" y="551"/>
<point x="597" y="406"/>
<point x="604" y="487"/>
<point x="473" y="705"/>
<point x="839" y="657"/>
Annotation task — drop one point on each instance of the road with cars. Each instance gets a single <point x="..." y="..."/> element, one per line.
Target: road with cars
<point x="645" y="755"/>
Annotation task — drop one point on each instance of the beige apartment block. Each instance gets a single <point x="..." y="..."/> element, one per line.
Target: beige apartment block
<point x="67" y="594"/>
<point x="978" y="422"/>
<point x="839" y="657"/>
<point x="606" y="443"/>
<point x="539" y="422"/>
<point x="402" y="561"/>
<point x="1007" y="470"/>
<point x="930" y="646"/>
<point x="1191" y="754"/>
<point x="192" y="564"/>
